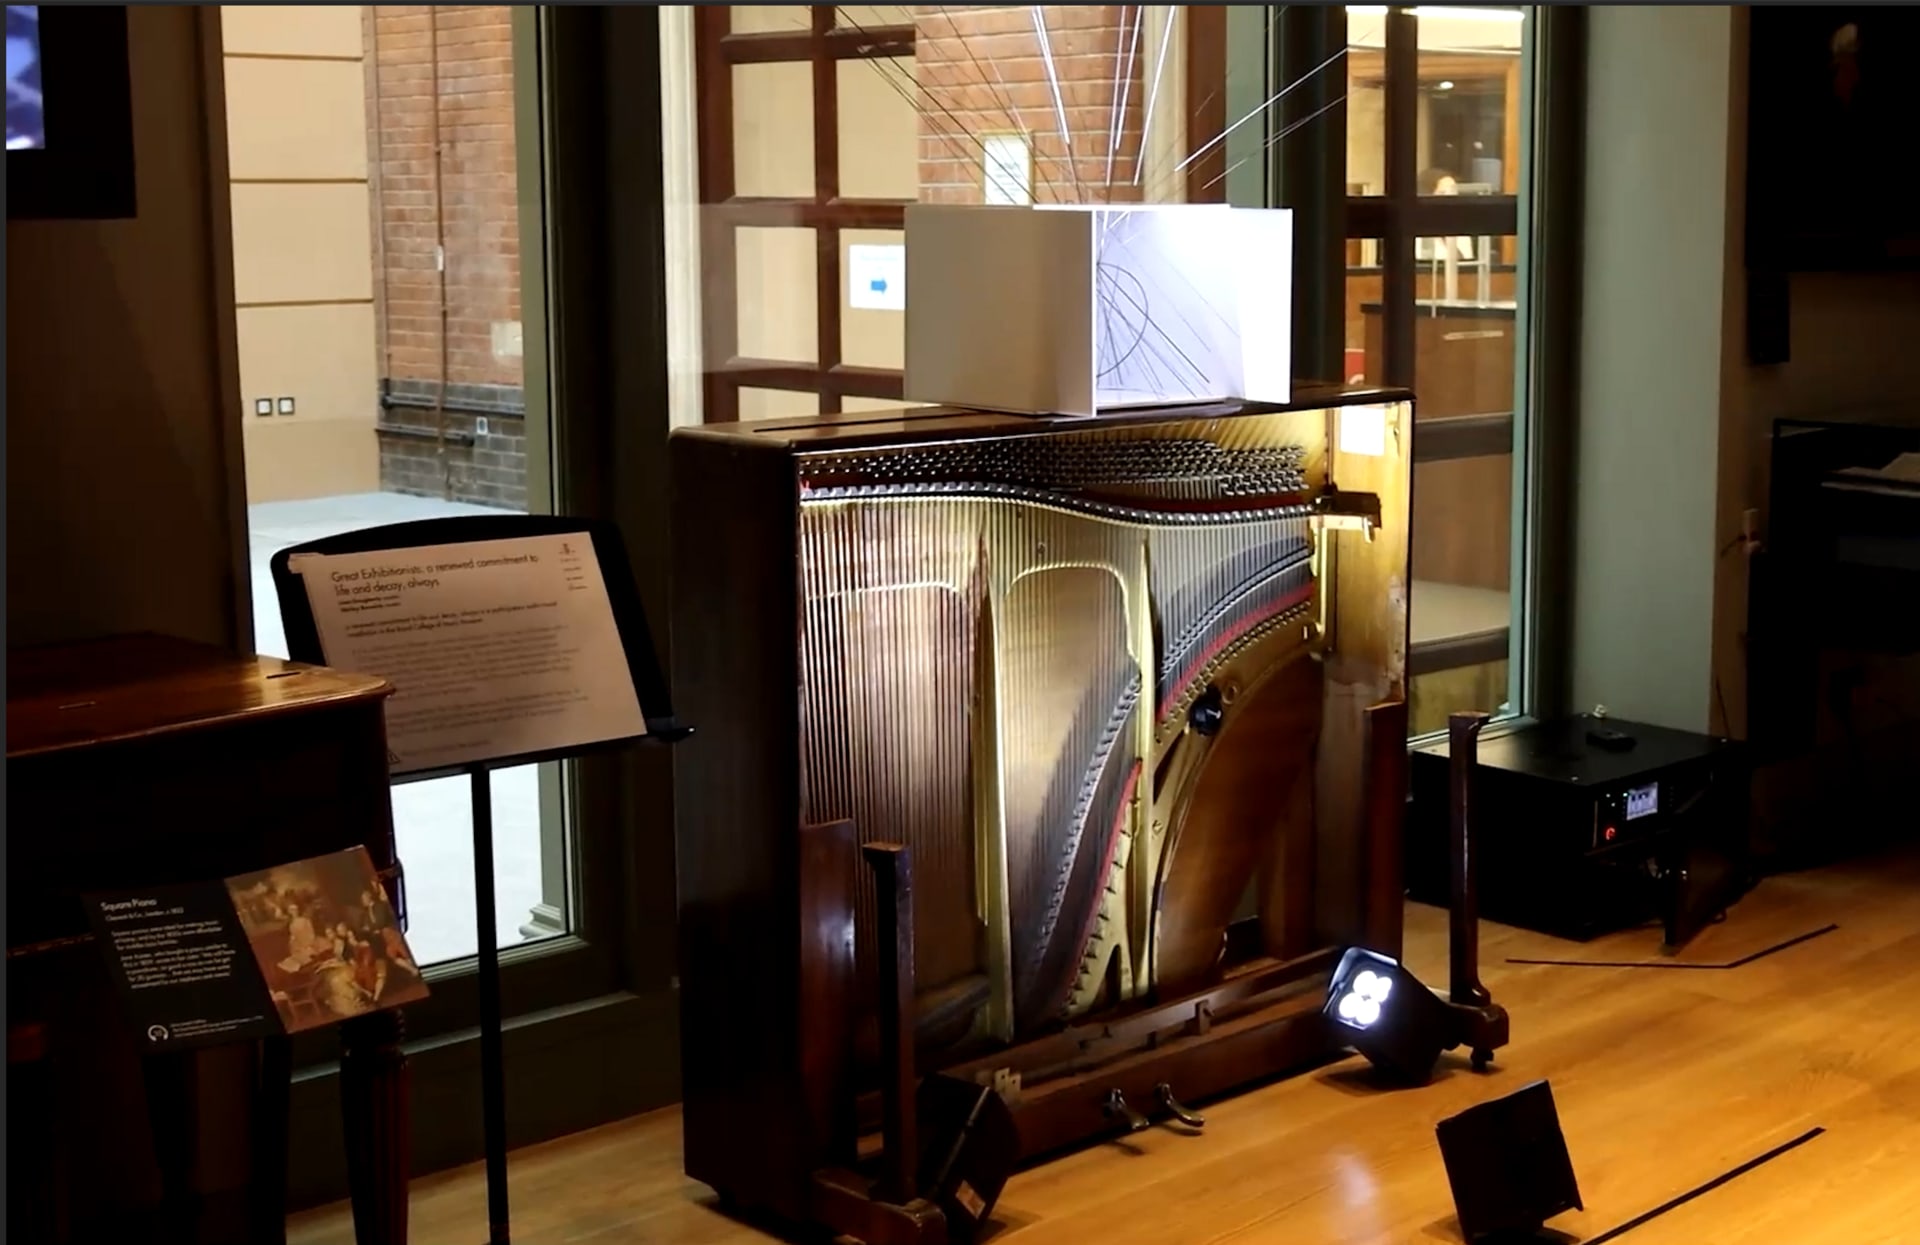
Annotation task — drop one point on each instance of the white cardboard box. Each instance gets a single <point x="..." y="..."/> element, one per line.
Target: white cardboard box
<point x="1078" y="309"/>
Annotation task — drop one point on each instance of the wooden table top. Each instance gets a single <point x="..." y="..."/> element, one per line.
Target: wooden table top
<point x="70" y="696"/>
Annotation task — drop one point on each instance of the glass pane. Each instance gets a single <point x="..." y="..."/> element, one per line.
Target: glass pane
<point x="879" y="119"/>
<point x="1366" y="325"/>
<point x="1366" y="99"/>
<point x="972" y="116"/>
<point x="1463" y="337"/>
<point x="1468" y="140"/>
<point x="353" y="244"/>
<point x="868" y="16"/>
<point x="776" y="274"/>
<point x="751" y="19"/>
<point x="773" y="130"/>
<point x="873" y="328"/>
<point x="777" y="403"/>
<point x="1432" y="698"/>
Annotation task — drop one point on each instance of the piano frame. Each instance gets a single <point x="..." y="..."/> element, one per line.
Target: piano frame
<point x="774" y="1116"/>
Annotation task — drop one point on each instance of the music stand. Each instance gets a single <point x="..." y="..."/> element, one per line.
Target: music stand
<point x="303" y="630"/>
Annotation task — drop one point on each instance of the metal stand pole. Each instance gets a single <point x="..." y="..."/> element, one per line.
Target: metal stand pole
<point x="493" y="1087"/>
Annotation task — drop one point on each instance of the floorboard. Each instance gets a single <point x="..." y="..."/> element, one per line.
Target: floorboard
<point x="1664" y="1080"/>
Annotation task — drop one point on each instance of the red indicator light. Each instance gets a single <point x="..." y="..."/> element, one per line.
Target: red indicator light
<point x="1609" y="834"/>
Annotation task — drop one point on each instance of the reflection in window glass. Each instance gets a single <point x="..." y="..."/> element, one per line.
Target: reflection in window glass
<point x="1468" y="136"/>
<point x="1464" y="333"/>
<point x="1366" y="99"/>
<point x="1054" y="104"/>
<point x="377" y="271"/>
<point x="1366" y="327"/>
<point x="1432" y="698"/>
<point x="1468" y="121"/>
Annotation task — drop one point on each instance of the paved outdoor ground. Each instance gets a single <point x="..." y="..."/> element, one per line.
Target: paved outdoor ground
<point x="432" y="820"/>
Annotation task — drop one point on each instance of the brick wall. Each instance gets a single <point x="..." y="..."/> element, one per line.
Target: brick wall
<point x="486" y="452"/>
<point x="980" y="71"/>
<point x="477" y="221"/>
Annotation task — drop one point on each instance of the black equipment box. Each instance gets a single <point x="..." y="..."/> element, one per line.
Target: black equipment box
<point x="1589" y="825"/>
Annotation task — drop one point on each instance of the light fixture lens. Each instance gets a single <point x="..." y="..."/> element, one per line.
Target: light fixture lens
<point x="1363" y="981"/>
<point x="1446" y="86"/>
<point x="1382" y="987"/>
<point x="1366" y="1012"/>
<point x="1349" y="1005"/>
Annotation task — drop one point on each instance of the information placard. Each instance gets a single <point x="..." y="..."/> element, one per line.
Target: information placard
<point x="291" y="948"/>
<point x="495" y="649"/>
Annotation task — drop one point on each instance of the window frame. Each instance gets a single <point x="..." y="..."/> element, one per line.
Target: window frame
<point x="592" y="1025"/>
<point x="1210" y="37"/>
<point x="1310" y="177"/>
<point x="718" y="49"/>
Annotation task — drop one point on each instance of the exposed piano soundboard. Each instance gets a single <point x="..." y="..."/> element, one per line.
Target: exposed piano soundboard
<point x="1109" y="681"/>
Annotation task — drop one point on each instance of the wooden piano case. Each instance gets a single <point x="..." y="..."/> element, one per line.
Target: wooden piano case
<point x="143" y="760"/>
<point x="1130" y="691"/>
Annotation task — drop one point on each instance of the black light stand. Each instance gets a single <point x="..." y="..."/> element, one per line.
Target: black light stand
<point x="1474" y="1019"/>
<point x="493" y="1070"/>
<point x="1387" y="1013"/>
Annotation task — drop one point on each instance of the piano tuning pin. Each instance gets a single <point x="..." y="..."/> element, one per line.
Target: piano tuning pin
<point x="1208" y="712"/>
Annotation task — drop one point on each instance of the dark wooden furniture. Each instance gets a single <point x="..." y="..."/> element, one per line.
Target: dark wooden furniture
<point x="1841" y="567"/>
<point x="140" y="761"/>
<point x="1124" y="697"/>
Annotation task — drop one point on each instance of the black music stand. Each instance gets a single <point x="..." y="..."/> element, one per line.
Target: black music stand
<point x="650" y="688"/>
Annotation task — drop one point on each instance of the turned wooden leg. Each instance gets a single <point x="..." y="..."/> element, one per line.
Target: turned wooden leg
<point x="32" y="1217"/>
<point x="270" y="1095"/>
<point x="374" y="1104"/>
<point x="172" y="1083"/>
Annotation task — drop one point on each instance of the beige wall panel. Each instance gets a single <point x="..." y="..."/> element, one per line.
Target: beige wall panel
<point x="321" y="357"/>
<point x="753" y="19"/>
<point x="868" y="16"/>
<point x="773" y="130"/>
<point x="775" y="278"/>
<point x="292" y="29"/>
<point x="296" y="119"/>
<point x="301" y="243"/>
<point x="879" y="130"/>
<point x="292" y="459"/>
<point x="777" y="404"/>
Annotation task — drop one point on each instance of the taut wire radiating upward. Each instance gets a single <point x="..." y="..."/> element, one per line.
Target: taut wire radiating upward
<point x="1059" y="101"/>
<point x="927" y="103"/>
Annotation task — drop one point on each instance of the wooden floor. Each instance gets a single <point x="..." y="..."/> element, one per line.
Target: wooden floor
<point x="1665" y="1079"/>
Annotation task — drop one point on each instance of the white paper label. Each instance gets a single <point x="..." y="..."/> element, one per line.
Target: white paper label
<point x="495" y="649"/>
<point x="877" y="277"/>
<point x="1363" y="430"/>
<point x="1008" y="169"/>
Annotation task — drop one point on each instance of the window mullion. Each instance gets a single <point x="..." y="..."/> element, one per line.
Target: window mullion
<point x="1402" y="178"/>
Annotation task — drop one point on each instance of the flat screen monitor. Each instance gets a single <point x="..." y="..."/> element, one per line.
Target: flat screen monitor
<point x="69" y="113"/>
<point x="26" y="110"/>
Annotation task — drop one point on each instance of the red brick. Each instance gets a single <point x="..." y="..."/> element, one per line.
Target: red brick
<point x="465" y="198"/>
